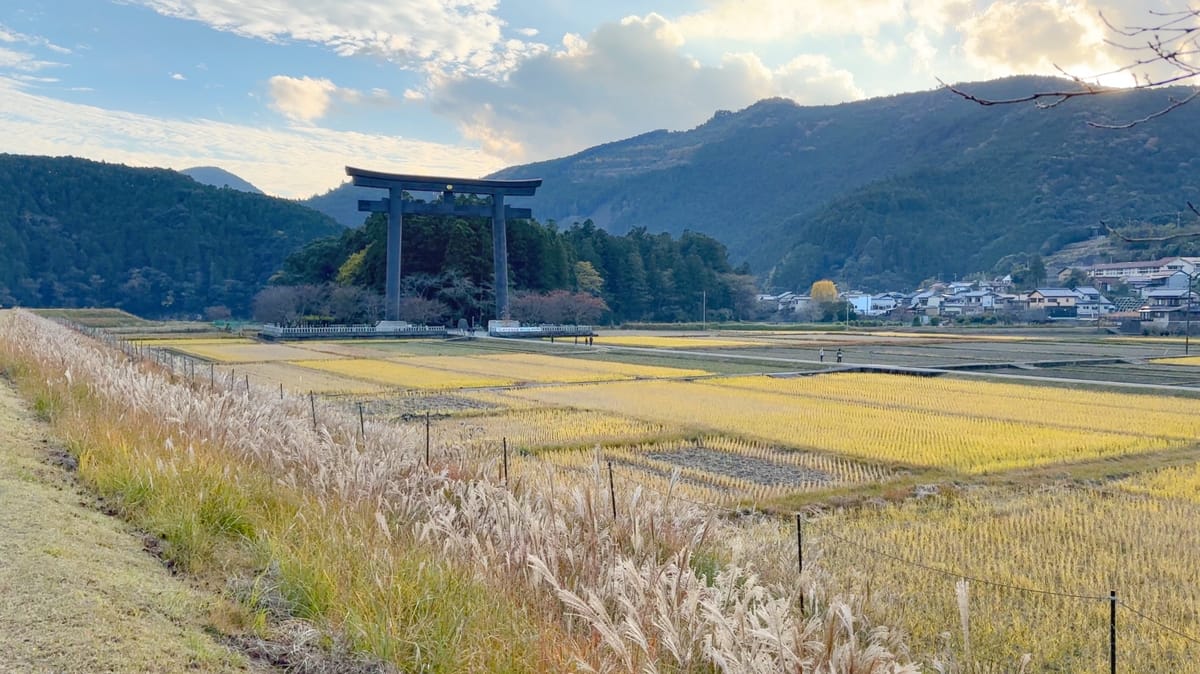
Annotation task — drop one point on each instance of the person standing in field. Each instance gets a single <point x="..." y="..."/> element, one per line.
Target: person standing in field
<point x="821" y="355"/>
<point x="839" y="355"/>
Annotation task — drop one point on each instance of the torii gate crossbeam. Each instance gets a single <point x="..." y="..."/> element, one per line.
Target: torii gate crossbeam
<point x="395" y="207"/>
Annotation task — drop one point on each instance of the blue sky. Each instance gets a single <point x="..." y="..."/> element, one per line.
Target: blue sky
<point x="286" y="92"/>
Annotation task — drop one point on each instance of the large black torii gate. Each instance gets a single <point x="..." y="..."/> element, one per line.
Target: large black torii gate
<point x="395" y="207"/>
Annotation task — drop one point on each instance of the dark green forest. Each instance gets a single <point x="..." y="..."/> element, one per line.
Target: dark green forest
<point x="78" y="233"/>
<point x="641" y="276"/>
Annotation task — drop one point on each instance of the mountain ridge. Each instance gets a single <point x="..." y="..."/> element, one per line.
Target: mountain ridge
<point x="219" y="177"/>
<point x="785" y="185"/>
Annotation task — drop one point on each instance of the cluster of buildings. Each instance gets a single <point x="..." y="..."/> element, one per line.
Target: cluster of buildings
<point x="1146" y="296"/>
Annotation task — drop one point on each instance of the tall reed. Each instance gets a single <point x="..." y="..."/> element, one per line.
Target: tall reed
<point x="429" y="567"/>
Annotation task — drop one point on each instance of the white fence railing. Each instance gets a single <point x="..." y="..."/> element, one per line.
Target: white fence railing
<point x="541" y="331"/>
<point x="308" y="331"/>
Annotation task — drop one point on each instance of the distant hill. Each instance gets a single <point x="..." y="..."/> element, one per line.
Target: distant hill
<point x="219" y="177"/>
<point x="151" y="241"/>
<point x="341" y="203"/>
<point x="889" y="191"/>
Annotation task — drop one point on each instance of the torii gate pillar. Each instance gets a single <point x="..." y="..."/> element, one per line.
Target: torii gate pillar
<point x="500" y="256"/>
<point x="395" y="206"/>
<point x="395" y="230"/>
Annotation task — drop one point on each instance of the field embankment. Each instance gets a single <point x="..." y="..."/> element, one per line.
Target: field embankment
<point x="79" y="593"/>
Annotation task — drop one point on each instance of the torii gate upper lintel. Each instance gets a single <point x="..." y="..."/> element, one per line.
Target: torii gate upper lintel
<point x="395" y="207"/>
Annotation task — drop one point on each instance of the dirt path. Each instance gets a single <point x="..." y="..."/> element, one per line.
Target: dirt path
<point x="77" y="591"/>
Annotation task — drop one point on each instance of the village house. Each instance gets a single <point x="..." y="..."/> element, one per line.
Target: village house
<point x="1092" y="304"/>
<point x="785" y="302"/>
<point x="1056" y="302"/>
<point x="927" y="302"/>
<point x="1168" y="308"/>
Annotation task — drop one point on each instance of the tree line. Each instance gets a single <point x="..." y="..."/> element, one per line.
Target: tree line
<point x="581" y="274"/>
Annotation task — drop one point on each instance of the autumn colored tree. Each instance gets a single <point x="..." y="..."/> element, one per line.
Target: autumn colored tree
<point x="587" y="279"/>
<point x="559" y="306"/>
<point x="416" y="309"/>
<point x="823" y="291"/>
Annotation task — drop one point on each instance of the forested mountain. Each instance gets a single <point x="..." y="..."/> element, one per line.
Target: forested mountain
<point x="219" y="177"/>
<point x="888" y="191"/>
<point x="448" y="262"/>
<point x="152" y="241"/>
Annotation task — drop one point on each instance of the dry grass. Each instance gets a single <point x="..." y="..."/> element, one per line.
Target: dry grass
<point x="227" y="352"/>
<point x="674" y="341"/>
<point x="958" y="437"/>
<point x="296" y="380"/>
<point x="97" y="317"/>
<point x="430" y="568"/>
<point x="1074" y="541"/>
<point x="1182" y="482"/>
<point x="539" y="368"/>
<point x="1191" y="361"/>
<point x="404" y="375"/>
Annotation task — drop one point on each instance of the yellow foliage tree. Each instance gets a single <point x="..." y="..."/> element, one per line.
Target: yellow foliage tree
<point x="587" y="279"/>
<point x="351" y="269"/>
<point x="823" y="291"/>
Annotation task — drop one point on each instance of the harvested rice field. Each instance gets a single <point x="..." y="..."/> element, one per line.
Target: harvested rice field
<point x="985" y="513"/>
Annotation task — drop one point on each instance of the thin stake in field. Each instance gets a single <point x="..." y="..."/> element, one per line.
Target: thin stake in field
<point x="612" y="491"/>
<point x="800" y="553"/>
<point x="1112" y="631"/>
<point x="504" y="475"/>
<point x="362" y="428"/>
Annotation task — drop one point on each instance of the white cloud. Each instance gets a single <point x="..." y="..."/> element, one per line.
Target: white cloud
<point x="939" y="15"/>
<point x="881" y="51"/>
<point x="775" y="20"/>
<point x="292" y="162"/>
<point x="813" y="79"/>
<point x="626" y="78"/>
<point x="305" y="99"/>
<point x="1037" y="36"/>
<point x="923" y="50"/>
<point x="13" y="37"/>
<point x="178" y="77"/>
<point x="411" y="32"/>
<point x="12" y="59"/>
<point x="35" y="79"/>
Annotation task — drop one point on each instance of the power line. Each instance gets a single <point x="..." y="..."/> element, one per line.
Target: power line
<point x="1166" y="627"/>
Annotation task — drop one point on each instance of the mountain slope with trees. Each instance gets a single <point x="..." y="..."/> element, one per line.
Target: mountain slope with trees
<point x="151" y="241"/>
<point x="887" y="191"/>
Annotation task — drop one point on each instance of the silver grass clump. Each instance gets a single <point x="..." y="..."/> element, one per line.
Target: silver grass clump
<point x="628" y="583"/>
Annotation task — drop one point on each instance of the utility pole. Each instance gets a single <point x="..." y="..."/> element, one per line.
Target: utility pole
<point x="1187" y="318"/>
<point x="703" y="310"/>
